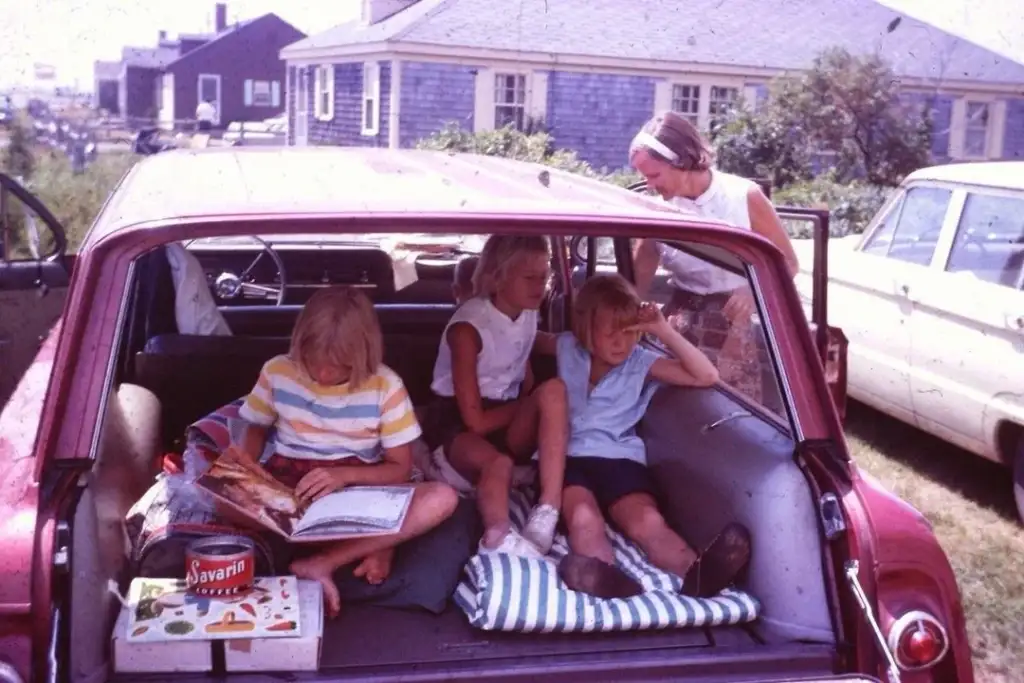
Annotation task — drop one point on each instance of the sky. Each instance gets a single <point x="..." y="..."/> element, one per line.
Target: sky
<point x="71" y="34"/>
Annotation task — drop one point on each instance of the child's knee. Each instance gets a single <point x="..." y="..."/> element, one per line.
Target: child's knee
<point x="647" y="525"/>
<point x="583" y="518"/>
<point x="438" y="499"/>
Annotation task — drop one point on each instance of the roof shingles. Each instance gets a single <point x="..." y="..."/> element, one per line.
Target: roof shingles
<point x="778" y="34"/>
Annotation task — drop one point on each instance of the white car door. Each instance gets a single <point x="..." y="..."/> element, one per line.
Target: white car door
<point x="967" y="327"/>
<point x="869" y="296"/>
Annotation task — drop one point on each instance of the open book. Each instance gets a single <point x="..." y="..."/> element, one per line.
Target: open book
<point x="355" y="511"/>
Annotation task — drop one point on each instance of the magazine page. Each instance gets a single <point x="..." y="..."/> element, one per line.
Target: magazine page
<point x="355" y="511"/>
<point x="163" y="609"/>
<point x="237" y="480"/>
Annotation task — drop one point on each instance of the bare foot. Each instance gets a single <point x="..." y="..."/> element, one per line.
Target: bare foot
<point x="375" y="567"/>
<point x="314" y="569"/>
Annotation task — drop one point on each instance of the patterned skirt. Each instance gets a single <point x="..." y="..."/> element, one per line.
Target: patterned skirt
<point x="738" y="349"/>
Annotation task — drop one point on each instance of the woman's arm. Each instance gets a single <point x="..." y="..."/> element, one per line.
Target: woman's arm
<point x="645" y="265"/>
<point x="465" y="344"/>
<point x="765" y="221"/>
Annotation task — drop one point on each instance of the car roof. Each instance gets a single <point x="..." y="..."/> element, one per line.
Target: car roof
<point x="232" y="182"/>
<point x="1007" y="175"/>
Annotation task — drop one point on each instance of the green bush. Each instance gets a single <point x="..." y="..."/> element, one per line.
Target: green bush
<point x="851" y="205"/>
<point x="74" y="200"/>
<point x="537" y="147"/>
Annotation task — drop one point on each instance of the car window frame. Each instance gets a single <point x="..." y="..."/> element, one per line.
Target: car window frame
<point x="988" y="191"/>
<point x="940" y="253"/>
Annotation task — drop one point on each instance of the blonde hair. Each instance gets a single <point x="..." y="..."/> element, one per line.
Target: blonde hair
<point x="681" y="137"/>
<point x="339" y="326"/>
<point x="610" y="292"/>
<point x="500" y="252"/>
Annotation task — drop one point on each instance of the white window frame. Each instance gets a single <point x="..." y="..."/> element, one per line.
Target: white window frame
<point x="995" y="127"/>
<point x="371" y="97"/>
<point x="713" y="101"/>
<point x="683" y="93"/>
<point x="664" y="93"/>
<point x="485" y="106"/>
<point x="272" y="93"/>
<point x="323" y="92"/>
<point x="220" y="94"/>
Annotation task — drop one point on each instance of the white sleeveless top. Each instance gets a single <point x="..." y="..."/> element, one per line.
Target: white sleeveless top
<point x="505" y="351"/>
<point x="724" y="200"/>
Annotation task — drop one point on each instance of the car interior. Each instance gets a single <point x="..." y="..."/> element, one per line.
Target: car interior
<point x="717" y="456"/>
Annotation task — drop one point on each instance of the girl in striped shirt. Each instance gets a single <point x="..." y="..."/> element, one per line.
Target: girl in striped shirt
<point x="340" y="417"/>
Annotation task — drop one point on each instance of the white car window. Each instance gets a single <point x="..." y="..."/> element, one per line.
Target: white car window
<point x="990" y="239"/>
<point x="911" y="231"/>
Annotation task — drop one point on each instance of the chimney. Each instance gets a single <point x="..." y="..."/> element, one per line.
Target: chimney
<point x="220" y="20"/>
<point x="378" y="10"/>
<point x="162" y="36"/>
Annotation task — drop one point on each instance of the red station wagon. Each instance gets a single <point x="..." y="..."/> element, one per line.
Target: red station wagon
<point x="851" y="582"/>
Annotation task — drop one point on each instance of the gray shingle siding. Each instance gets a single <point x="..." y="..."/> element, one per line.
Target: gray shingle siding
<point x="432" y="95"/>
<point x="345" y="128"/>
<point x="598" y="114"/>
<point x="1013" y="137"/>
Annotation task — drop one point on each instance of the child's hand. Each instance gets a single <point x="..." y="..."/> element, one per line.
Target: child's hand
<point x="651" y="321"/>
<point x="740" y="306"/>
<point x="320" y="482"/>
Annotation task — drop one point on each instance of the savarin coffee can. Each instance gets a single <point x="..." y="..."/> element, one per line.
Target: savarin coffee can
<point x="220" y="566"/>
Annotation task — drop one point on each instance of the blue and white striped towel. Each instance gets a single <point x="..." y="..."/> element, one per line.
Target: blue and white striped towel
<point x="507" y="593"/>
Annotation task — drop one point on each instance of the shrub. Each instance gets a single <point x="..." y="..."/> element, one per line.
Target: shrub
<point x="852" y="205"/>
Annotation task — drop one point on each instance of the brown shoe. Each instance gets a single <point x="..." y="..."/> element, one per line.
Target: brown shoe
<point x="594" y="577"/>
<point x="720" y="563"/>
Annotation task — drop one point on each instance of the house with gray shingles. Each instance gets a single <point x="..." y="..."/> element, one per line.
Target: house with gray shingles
<point x="594" y="70"/>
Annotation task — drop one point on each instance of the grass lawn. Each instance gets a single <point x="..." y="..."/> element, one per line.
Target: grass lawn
<point x="970" y="503"/>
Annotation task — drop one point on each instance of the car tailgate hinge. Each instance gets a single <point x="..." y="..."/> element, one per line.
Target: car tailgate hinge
<point x="852" y="576"/>
<point x="832" y="519"/>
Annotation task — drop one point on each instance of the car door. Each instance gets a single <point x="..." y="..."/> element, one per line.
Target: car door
<point x="34" y="275"/>
<point x="870" y="290"/>
<point x="967" y="327"/>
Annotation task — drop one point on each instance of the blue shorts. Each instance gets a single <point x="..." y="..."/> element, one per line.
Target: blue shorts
<point x="609" y="479"/>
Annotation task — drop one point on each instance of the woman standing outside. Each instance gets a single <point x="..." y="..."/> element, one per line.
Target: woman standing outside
<point x="676" y="162"/>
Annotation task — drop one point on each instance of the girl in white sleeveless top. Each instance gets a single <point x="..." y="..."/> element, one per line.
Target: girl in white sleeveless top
<point x="676" y="162"/>
<point x="488" y="415"/>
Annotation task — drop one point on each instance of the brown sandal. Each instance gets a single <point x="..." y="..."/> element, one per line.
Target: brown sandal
<point x="720" y="563"/>
<point x="594" y="577"/>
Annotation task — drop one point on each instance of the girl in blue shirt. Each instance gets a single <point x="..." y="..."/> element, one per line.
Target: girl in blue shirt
<point x="609" y="380"/>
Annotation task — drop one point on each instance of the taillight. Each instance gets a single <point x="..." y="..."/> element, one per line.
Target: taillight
<point x="917" y="641"/>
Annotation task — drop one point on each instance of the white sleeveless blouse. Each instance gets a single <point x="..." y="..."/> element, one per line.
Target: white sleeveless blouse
<point x="724" y="200"/>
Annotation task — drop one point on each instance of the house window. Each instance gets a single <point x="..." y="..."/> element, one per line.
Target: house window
<point x="262" y="93"/>
<point x="323" y="93"/>
<point x="686" y="101"/>
<point x="371" y="98"/>
<point x="976" y="129"/>
<point x="722" y="100"/>
<point x="510" y="101"/>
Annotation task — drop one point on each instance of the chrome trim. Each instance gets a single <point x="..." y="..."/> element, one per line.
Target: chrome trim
<point x="772" y="346"/>
<point x="852" y="571"/>
<point x="722" y="420"/>
<point x="908" y="619"/>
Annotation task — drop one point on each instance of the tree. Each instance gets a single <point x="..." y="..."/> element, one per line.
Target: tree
<point x="845" y="111"/>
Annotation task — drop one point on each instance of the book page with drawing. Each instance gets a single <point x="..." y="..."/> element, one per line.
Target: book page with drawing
<point x="244" y="486"/>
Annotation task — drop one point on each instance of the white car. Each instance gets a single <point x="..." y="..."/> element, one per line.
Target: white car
<point x="931" y="300"/>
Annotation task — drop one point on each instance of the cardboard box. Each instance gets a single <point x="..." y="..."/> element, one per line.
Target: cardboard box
<point x="182" y="655"/>
<point x="284" y="654"/>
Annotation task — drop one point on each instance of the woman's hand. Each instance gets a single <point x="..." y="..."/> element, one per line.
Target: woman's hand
<point x="740" y="306"/>
<point x="320" y="482"/>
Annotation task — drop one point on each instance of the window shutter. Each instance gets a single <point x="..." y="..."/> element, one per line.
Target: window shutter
<point x="483" y="101"/>
<point x="317" y="99"/>
<point x="537" y="99"/>
<point x="248" y="92"/>
<point x="662" y="96"/>
<point x="275" y="93"/>
<point x="329" y="114"/>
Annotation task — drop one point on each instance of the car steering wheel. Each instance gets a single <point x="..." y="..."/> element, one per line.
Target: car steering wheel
<point x="228" y="285"/>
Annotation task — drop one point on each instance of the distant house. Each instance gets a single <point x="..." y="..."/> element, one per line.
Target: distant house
<point x="237" y="68"/>
<point x="593" y="72"/>
<point x="106" y="80"/>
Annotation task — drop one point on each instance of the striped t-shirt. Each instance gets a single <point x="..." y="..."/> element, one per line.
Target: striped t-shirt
<point x="314" y="422"/>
